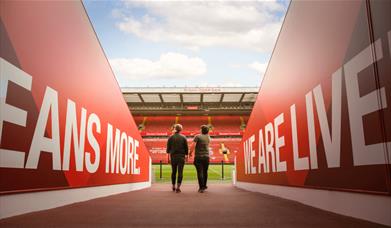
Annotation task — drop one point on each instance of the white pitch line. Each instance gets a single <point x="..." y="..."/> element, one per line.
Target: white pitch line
<point x="219" y="173"/>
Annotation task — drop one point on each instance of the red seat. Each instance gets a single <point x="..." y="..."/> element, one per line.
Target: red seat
<point x="226" y="123"/>
<point x="192" y="124"/>
<point x="159" y="124"/>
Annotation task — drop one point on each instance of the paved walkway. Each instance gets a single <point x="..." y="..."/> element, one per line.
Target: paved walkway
<point x="222" y="205"/>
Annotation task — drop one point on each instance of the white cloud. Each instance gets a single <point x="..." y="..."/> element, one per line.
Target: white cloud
<point x="231" y="84"/>
<point x="168" y="66"/>
<point x="194" y="24"/>
<point x="225" y="84"/>
<point x="258" y="67"/>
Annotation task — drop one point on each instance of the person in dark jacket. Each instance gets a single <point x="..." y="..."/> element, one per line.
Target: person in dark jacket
<point x="178" y="150"/>
<point x="201" y="160"/>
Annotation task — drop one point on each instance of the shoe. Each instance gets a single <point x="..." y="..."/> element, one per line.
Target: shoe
<point x="177" y="190"/>
<point x="201" y="191"/>
<point x="173" y="189"/>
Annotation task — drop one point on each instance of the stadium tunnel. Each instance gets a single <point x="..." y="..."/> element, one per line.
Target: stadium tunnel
<point x="317" y="133"/>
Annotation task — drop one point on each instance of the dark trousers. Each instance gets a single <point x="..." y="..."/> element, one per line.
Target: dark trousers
<point x="202" y="165"/>
<point x="177" y="164"/>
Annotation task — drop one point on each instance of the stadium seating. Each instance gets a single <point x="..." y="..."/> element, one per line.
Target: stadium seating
<point x="192" y="123"/>
<point x="159" y="124"/>
<point x="217" y="146"/>
<point x="226" y="123"/>
<point x="140" y="122"/>
<point x="221" y="125"/>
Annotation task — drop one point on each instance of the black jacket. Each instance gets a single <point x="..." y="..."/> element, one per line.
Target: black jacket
<point x="177" y="144"/>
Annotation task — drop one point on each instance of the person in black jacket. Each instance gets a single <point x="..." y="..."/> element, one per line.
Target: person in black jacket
<point x="178" y="149"/>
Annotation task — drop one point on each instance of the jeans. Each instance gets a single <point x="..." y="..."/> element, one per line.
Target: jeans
<point x="202" y="164"/>
<point x="177" y="164"/>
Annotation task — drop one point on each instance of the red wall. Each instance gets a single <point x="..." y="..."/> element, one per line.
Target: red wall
<point x="322" y="116"/>
<point x="58" y="93"/>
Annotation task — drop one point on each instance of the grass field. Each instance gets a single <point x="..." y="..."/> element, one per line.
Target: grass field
<point x="190" y="173"/>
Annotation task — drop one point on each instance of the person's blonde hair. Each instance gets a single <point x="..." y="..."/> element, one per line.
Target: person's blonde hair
<point x="178" y="127"/>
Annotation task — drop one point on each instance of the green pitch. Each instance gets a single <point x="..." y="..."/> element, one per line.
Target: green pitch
<point x="190" y="173"/>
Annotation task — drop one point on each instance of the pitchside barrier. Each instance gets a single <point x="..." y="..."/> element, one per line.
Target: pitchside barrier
<point x="320" y="130"/>
<point x="221" y="171"/>
<point x="64" y="125"/>
<point x="219" y="149"/>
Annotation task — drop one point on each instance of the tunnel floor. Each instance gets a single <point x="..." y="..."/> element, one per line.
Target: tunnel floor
<point x="221" y="205"/>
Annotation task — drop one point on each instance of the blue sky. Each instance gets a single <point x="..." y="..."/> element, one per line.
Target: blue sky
<point x="190" y="43"/>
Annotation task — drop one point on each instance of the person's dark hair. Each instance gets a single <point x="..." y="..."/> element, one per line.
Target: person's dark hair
<point x="204" y="129"/>
<point x="178" y="128"/>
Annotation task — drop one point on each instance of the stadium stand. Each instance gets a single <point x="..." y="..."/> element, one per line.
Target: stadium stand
<point x="225" y="110"/>
<point x="162" y="125"/>
<point x="191" y="124"/>
<point x="226" y="124"/>
<point x="158" y="125"/>
<point x="140" y="122"/>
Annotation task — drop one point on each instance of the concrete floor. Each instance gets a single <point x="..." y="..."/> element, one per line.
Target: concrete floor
<point x="221" y="205"/>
